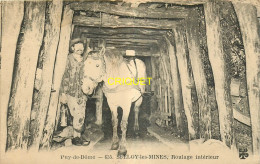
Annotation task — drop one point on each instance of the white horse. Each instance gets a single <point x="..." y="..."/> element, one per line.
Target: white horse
<point x="107" y="68"/>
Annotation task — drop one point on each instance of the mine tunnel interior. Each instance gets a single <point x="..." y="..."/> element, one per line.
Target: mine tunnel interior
<point x="202" y="87"/>
<point x="151" y="37"/>
<point x="127" y="34"/>
<point x="123" y="39"/>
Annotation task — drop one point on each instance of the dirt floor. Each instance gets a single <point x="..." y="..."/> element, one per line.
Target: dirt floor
<point x="149" y="132"/>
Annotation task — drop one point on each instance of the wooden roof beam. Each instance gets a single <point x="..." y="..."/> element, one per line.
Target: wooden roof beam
<point x="143" y="49"/>
<point x="179" y="2"/>
<point x="141" y="53"/>
<point x="121" y="36"/>
<point x="128" y="46"/>
<point x="146" y="54"/>
<point x="108" y="8"/>
<point x="192" y="2"/>
<point x="142" y="41"/>
<point x="135" y="4"/>
<point x="137" y="46"/>
<point x="126" y="43"/>
<point x="129" y="41"/>
<point x="116" y="31"/>
<point x="114" y="22"/>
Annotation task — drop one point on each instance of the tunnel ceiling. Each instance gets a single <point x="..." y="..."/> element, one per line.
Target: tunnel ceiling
<point x="138" y="26"/>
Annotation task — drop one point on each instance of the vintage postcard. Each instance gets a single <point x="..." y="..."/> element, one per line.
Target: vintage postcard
<point x="130" y="81"/>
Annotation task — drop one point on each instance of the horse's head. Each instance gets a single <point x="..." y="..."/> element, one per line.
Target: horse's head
<point x="94" y="70"/>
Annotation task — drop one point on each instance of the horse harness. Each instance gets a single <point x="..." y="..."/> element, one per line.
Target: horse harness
<point x="136" y="76"/>
<point x="105" y="89"/>
<point x="96" y="81"/>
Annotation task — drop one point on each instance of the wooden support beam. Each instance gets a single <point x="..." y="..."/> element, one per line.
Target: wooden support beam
<point x="129" y="44"/>
<point x="250" y="28"/>
<point x="153" y="102"/>
<point x="188" y="2"/>
<point x="133" y="41"/>
<point x="145" y="54"/>
<point x="241" y="117"/>
<point x="258" y="12"/>
<point x="12" y="16"/>
<point x="176" y="86"/>
<point x="61" y="58"/>
<point x="115" y="22"/>
<point x="137" y="49"/>
<point x="121" y="36"/>
<point x="180" y="2"/>
<point x="120" y="3"/>
<point x="76" y="32"/>
<point x="120" y="30"/>
<point x="141" y="53"/>
<point x="129" y="47"/>
<point x="23" y="83"/>
<point x="135" y="4"/>
<point x="196" y="58"/>
<point x="134" y="47"/>
<point x="221" y="78"/>
<point x="186" y="83"/>
<point x="153" y="6"/>
<point x="130" y="11"/>
<point x="161" y="84"/>
<point x="41" y="100"/>
<point x="165" y="82"/>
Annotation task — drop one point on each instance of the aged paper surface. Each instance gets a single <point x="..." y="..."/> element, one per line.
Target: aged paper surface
<point x="156" y="39"/>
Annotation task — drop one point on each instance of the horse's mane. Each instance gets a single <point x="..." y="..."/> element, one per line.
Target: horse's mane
<point x="113" y="62"/>
<point x="94" y="54"/>
<point x="113" y="59"/>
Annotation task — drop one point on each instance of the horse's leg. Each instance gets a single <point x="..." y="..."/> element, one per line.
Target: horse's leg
<point x="115" y="140"/>
<point x="126" y="110"/>
<point x="136" y="109"/>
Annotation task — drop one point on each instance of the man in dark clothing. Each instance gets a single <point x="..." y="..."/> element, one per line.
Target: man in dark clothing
<point x="71" y="93"/>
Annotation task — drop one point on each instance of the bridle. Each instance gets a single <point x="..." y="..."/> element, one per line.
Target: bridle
<point x="98" y="79"/>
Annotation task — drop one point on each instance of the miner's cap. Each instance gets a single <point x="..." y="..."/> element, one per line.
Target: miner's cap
<point x="75" y="41"/>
